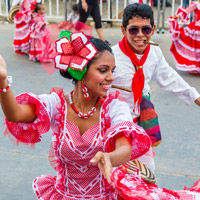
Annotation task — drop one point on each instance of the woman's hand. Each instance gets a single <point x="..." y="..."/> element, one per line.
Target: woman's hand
<point x="104" y="164"/>
<point x="176" y="16"/>
<point x="3" y="72"/>
<point x="84" y="6"/>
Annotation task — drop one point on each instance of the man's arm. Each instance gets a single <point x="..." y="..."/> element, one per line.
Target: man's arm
<point x="169" y="80"/>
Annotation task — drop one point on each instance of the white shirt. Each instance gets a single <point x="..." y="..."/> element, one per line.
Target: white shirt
<point x="73" y="17"/>
<point x="15" y="2"/>
<point x="155" y="68"/>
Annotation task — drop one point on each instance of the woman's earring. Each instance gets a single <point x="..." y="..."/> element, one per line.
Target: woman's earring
<point x="85" y="92"/>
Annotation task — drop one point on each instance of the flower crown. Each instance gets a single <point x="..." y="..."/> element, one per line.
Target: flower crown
<point x="74" y="51"/>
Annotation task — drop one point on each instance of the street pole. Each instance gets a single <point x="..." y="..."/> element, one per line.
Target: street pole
<point x="8" y="5"/>
<point x="65" y="10"/>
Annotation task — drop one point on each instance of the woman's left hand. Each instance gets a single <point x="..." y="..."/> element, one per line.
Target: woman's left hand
<point x="104" y="164"/>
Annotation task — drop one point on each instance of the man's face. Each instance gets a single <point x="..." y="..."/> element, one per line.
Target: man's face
<point x="137" y="32"/>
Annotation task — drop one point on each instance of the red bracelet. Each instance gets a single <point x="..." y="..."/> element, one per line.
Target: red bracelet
<point x="5" y="89"/>
<point x="9" y="79"/>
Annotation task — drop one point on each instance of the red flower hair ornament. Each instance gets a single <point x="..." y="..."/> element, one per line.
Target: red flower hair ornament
<point x="74" y="51"/>
<point x="33" y="5"/>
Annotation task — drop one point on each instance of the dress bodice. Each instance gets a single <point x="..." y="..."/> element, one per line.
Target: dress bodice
<point x="75" y="152"/>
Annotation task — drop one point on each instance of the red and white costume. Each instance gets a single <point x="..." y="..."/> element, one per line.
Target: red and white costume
<point x="186" y="40"/>
<point x="40" y="40"/>
<point x="133" y="187"/>
<point x="23" y="20"/>
<point x="70" y="153"/>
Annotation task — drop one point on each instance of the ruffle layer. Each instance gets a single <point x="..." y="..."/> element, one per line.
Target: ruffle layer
<point x="54" y="160"/>
<point x="133" y="187"/>
<point x="30" y="133"/>
<point x="23" y="16"/>
<point x="44" y="188"/>
<point x="21" y="41"/>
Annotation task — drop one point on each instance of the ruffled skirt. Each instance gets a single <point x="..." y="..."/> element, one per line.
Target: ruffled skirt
<point x="185" y="46"/>
<point x="133" y="187"/>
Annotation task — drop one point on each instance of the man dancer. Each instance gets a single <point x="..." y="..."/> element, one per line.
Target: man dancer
<point x="137" y="63"/>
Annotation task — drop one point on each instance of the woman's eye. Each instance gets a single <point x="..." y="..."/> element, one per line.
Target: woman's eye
<point x="102" y="70"/>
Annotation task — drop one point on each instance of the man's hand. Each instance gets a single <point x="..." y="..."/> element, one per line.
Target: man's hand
<point x="104" y="164"/>
<point x="197" y="101"/>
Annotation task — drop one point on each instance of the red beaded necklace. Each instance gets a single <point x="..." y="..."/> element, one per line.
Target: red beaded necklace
<point x="80" y="114"/>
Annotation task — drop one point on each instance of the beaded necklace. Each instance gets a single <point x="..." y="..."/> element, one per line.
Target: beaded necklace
<point x="80" y="114"/>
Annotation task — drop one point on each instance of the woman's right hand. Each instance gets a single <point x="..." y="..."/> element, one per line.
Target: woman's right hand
<point x="3" y="71"/>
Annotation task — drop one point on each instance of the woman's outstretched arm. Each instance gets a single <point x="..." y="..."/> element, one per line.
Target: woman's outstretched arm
<point x="106" y="161"/>
<point x="13" y="111"/>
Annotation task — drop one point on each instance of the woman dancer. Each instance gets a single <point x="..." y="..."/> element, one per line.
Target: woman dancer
<point x="40" y="40"/>
<point x="84" y="147"/>
<point x="23" y="20"/>
<point x="186" y="40"/>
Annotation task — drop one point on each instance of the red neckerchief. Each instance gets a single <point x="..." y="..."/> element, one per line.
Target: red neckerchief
<point x="138" y="79"/>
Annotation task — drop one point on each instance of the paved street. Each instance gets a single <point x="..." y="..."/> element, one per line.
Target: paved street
<point x="178" y="156"/>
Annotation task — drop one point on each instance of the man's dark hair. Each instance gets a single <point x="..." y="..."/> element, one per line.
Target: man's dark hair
<point x="137" y="9"/>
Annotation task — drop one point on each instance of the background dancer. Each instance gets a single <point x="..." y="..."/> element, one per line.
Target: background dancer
<point x="40" y="39"/>
<point x="23" y="20"/>
<point x="91" y="7"/>
<point x="185" y="46"/>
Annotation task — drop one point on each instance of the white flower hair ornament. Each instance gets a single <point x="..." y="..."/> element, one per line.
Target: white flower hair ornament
<point x="73" y="52"/>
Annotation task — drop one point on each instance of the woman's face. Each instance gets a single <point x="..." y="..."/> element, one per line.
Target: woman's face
<point x="99" y="76"/>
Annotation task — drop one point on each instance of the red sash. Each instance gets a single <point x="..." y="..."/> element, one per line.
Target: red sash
<point x="138" y="79"/>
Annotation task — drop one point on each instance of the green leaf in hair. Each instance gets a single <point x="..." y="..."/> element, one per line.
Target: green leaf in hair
<point x="66" y="34"/>
<point x="77" y="74"/>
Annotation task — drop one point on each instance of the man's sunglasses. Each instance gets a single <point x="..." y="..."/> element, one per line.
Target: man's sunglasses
<point x="134" y="30"/>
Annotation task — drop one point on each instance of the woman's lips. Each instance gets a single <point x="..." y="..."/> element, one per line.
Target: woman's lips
<point x="106" y="86"/>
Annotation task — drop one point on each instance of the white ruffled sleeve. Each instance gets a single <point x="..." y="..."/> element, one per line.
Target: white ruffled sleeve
<point x="30" y="133"/>
<point x="118" y="122"/>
